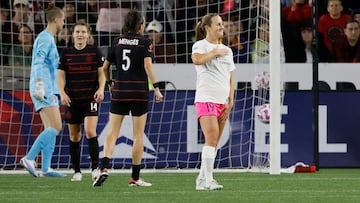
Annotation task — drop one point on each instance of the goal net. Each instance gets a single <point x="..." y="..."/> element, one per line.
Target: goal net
<point x="173" y="138"/>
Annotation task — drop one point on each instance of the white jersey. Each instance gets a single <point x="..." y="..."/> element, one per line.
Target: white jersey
<point x="213" y="78"/>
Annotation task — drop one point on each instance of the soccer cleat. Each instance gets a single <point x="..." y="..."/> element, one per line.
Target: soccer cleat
<point x="29" y="165"/>
<point x="52" y="173"/>
<point x="77" y="177"/>
<point x="94" y="174"/>
<point x="139" y="182"/>
<point x="200" y="184"/>
<point x="213" y="185"/>
<point x="99" y="181"/>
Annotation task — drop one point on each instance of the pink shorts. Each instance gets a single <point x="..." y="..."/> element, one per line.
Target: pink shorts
<point x="209" y="109"/>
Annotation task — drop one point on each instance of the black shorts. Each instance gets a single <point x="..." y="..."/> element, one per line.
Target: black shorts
<point x="123" y="108"/>
<point x="78" y="111"/>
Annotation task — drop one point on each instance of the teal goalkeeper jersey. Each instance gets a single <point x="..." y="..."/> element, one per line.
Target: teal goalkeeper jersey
<point x="45" y="61"/>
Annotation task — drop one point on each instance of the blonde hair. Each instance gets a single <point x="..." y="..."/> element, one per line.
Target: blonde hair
<point x="200" y="31"/>
<point x="82" y="22"/>
<point x="53" y="12"/>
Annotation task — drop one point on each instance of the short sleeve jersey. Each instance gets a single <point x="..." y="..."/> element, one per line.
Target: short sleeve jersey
<point x="81" y="72"/>
<point x="213" y="78"/>
<point x="130" y="81"/>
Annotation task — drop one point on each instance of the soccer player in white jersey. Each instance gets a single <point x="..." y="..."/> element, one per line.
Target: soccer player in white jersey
<point x="45" y="94"/>
<point x="214" y="95"/>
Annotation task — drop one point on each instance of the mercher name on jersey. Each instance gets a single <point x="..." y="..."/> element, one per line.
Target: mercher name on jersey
<point x="128" y="41"/>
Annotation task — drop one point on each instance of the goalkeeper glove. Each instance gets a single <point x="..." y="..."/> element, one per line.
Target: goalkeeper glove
<point x="39" y="91"/>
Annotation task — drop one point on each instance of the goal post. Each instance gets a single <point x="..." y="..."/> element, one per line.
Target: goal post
<point x="275" y="86"/>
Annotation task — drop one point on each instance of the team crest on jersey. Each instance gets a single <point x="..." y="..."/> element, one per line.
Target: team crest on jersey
<point x="151" y="48"/>
<point x="54" y="99"/>
<point x="89" y="58"/>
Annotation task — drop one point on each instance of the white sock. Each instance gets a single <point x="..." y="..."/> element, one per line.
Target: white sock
<point x="201" y="173"/>
<point x="207" y="162"/>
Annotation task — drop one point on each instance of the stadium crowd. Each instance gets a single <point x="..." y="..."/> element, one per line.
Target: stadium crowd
<point x="171" y="27"/>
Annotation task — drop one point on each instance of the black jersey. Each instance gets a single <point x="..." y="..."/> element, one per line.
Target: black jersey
<point x="81" y="72"/>
<point x="130" y="81"/>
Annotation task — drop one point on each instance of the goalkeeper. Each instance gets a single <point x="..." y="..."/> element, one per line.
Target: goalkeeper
<point x="45" y="94"/>
<point x="214" y="94"/>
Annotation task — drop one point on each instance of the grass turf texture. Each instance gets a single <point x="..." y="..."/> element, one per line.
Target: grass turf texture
<point x="326" y="185"/>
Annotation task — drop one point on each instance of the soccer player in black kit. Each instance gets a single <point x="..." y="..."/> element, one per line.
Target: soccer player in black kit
<point x="81" y="82"/>
<point x="132" y="53"/>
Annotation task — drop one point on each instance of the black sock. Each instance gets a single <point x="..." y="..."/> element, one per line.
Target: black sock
<point x="94" y="152"/>
<point x="135" y="172"/>
<point x="104" y="163"/>
<point x="75" y="155"/>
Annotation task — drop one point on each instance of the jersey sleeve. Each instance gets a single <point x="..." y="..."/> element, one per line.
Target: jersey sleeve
<point x="100" y="58"/>
<point x="40" y="54"/>
<point x="198" y="48"/>
<point x="149" y="49"/>
<point x="62" y="61"/>
<point x="231" y="58"/>
<point x="111" y="54"/>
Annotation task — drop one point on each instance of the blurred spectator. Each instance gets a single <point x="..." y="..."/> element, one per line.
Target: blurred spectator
<point x="195" y="11"/>
<point x="285" y="2"/>
<point x="5" y="37"/>
<point x="293" y="16"/>
<point x="355" y="14"/>
<point x="89" y="10"/>
<point x="162" y="11"/>
<point x="232" y="38"/>
<point x="347" y="48"/>
<point x="91" y="40"/>
<point x="164" y="49"/>
<point x="260" y="48"/>
<point x="63" y="39"/>
<point x="110" y="20"/>
<point x="37" y="8"/>
<point x="259" y="13"/>
<point x="187" y="15"/>
<point x="228" y="5"/>
<point x="71" y="15"/>
<point x="20" y="54"/>
<point x="330" y="28"/>
<point x="306" y="32"/>
<point x="23" y="14"/>
<point x="181" y="35"/>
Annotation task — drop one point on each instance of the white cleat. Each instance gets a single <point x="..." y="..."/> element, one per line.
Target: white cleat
<point x="94" y="174"/>
<point x="29" y="165"/>
<point x="100" y="179"/>
<point x="200" y="184"/>
<point x="213" y="185"/>
<point x="139" y="182"/>
<point x="76" y="177"/>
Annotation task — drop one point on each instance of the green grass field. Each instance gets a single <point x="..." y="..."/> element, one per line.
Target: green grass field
<point x="326" y="185"/>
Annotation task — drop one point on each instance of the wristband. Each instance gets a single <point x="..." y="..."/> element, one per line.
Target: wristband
<point x="109" y="82"/>
<point x="156" y="85"/>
